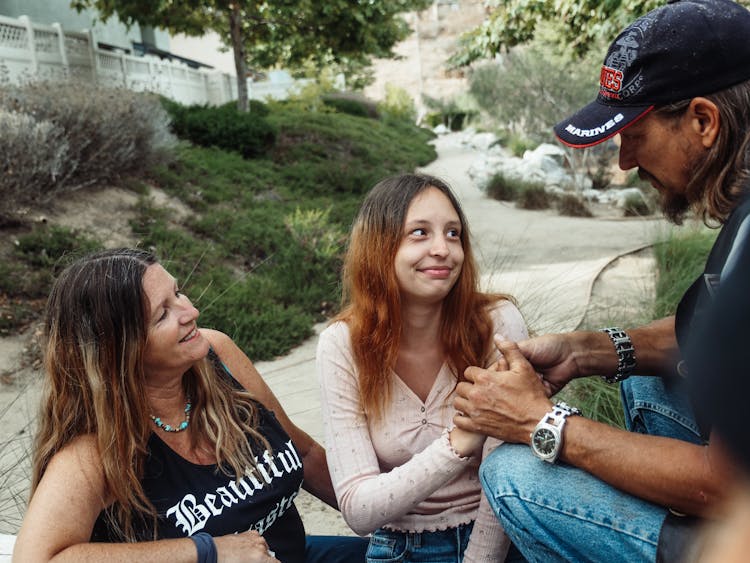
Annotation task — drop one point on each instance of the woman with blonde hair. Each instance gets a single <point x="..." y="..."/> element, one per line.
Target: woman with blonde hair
<point x="413" y="320"/>
<point x="159" y="440"/>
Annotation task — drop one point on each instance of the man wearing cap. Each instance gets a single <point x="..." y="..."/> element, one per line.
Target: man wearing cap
<point x="675" y="85"/>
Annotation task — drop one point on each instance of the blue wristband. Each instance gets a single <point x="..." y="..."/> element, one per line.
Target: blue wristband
<point x="206" y="547"/>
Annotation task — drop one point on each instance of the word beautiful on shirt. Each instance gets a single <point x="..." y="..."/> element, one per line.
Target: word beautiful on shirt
<point x="191" y="516"/>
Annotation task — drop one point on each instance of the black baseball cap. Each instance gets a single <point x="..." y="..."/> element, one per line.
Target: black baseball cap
<point x="683" y="49"/>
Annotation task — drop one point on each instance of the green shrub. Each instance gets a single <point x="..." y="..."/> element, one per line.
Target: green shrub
<point x="27" y="272"/>
<point x="518" y="144"/>
<point x="330" y="154"/>
<point x="573" y="206"/>
<point x="266" y="328"/>
<point x="533" y="197"/>
<point x="260" y="255"/>
<point x="501" y="188"/>
<point x="530" y="195"/>
<point x="634" y="181"/>
<point x="246" y="133"/>
<point x="398" y="105"/>
<point x="47" y="246"/>
<point x="352" y="103"/>
<point x="16" y="315"/>
<point x="452" y="112"/>
<point x="32" y="158"/>
<point x="352" y="107"/>
<point x="316" y="255"/>
<point x="60" y="137"/>
<point x="256" y="107"/>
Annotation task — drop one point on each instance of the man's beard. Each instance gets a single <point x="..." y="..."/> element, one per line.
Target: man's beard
<point x="674" y="206"/>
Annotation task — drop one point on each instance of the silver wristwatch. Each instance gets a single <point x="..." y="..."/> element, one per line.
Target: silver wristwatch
<point x="547" y="437"/>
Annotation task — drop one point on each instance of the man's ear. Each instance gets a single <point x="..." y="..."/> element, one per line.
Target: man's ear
<point x="704" y="120"/>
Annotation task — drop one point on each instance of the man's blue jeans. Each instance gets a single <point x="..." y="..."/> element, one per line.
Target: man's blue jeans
<point x="556" y="512"/>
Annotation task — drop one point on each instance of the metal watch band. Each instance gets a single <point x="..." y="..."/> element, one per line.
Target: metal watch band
<point x="563" y="409"/>
<point x="625" y="354"/>
<point x="554" y="419"/>
<point x="560" y="411"/>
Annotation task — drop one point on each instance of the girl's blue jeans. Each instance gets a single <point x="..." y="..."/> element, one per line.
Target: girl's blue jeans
<point x="556" y="512"/>
<point x="445" y="546"/>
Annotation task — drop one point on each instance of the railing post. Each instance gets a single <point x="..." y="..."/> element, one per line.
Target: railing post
<point x="208" y="89"/>
<point x="92" y="55"/>
<point x="63" y="52"/>
<point x="153" y="80"/>
<point x="124" y="70"/>
<point x="170" y="88"/>
<point x="32" y="43"/>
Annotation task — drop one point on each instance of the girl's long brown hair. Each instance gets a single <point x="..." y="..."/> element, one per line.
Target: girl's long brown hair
<point x="96" y="330"/>
<point x="371" y="297"/>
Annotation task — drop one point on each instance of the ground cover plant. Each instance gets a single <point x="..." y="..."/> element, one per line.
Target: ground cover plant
<point x="259" y="249"/>
<point x="261" y="252"/>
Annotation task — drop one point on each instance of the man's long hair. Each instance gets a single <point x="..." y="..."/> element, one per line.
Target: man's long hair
<point x="719" y="181"/>
<point x="95" y="327"/>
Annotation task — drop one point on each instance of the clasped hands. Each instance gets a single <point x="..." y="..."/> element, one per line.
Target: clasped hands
<point x="508" y="399"/>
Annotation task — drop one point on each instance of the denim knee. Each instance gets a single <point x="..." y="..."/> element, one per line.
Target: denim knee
<point x="556" y="512"/>
<point x="659" y="407"/>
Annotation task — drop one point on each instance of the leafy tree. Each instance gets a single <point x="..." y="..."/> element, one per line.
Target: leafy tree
<point x="528" y="90"/>
<point x="579" y="24"/>
<point x="266" y="33"/>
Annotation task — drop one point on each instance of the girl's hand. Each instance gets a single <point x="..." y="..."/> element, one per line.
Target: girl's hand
<point x="465" y="443"/>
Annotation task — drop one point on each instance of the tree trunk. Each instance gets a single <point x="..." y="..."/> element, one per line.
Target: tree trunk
<point x="240" y="63"/>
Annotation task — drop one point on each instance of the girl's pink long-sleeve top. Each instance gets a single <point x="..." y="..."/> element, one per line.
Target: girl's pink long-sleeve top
<point x="401" y="473"/>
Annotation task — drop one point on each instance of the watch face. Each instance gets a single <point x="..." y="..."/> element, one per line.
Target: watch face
<point x="544" y="441"/>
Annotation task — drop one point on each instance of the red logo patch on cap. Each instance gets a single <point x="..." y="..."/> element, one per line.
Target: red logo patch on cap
<point x="610" y="80"/>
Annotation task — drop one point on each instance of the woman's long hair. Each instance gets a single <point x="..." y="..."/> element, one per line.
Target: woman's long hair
<point x="371" y="296"/>
<point x="96" y="328"/>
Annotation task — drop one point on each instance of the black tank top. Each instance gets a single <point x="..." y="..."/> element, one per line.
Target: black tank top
<point x="192" y="498"/>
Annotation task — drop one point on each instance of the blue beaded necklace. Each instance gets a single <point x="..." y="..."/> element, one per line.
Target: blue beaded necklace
<point x="168" y="428"/>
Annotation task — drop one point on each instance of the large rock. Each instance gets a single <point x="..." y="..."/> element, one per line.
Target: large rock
<point x="543" y="165"/>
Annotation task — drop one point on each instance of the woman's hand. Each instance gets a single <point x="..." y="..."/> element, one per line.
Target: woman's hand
<point x="247" y="547"/>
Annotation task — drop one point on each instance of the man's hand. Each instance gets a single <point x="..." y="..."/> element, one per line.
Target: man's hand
<point x="553" y="357"/>
<point x="505" y="401"/>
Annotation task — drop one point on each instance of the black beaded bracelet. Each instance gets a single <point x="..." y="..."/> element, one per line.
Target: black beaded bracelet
<point x="625" y="354"/>
<point x="206" y="547"/>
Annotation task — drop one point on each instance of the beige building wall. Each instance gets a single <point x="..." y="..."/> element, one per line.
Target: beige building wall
<point x="421" y="68"/>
